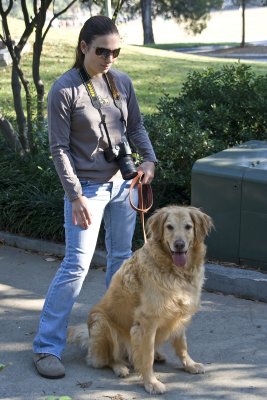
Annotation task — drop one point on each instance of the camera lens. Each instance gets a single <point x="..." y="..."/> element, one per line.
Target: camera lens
<point x="127" y="167"/>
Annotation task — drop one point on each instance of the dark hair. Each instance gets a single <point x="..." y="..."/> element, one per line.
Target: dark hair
<point x="98" y="25"/>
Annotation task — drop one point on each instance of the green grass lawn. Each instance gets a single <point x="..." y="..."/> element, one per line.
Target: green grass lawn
<point x="154" y="71"/>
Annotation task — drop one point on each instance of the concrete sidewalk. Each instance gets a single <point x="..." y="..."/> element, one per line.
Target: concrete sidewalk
<point x="228" y="335"/>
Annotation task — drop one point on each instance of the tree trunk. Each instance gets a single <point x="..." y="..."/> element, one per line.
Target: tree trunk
<point x="11" y="136"/>
<point x="18" y="74"/>
<point x="37" y="51"/>
<point x="117" y="10"/>
<point x="20" y="117"/>
<point x="243" y="5"/>
<point x="15" y="84"/>
<point x="29" y="119"/>
<point x="146" y="7"/>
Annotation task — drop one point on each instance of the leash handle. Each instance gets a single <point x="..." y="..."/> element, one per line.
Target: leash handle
<point x="145" y="198"/>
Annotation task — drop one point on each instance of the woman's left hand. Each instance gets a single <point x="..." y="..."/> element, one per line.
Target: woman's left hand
<point x="148" y="167"/>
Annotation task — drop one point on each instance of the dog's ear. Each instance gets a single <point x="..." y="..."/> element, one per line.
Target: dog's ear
<point x="155" y="223"/>
<point x="202" y="223"/>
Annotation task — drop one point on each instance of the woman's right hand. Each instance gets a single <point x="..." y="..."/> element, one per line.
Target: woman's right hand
<point x="80" y="212"/>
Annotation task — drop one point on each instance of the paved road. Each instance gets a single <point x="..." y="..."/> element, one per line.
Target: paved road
<point x="207" y="52"/>
<point x="228" y="335"/>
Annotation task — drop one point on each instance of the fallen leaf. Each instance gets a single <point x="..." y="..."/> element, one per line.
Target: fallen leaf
<point x="84" y="385"/>
<point x="50" y="259"/>
<point x="58" y="398"/>
<point x="2" y="366"/>
<point x="29" y="333"/>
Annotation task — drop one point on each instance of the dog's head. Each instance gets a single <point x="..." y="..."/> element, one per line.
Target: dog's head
<point x="179" y="229"/>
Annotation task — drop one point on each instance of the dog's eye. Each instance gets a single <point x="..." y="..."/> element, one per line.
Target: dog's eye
<point x="188" y="227"/>
<point x="170" y="227"/>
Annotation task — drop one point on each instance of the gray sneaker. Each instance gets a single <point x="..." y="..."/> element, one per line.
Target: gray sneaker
<point x="49" y="366"/>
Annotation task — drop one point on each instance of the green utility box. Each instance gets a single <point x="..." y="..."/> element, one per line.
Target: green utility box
<point x="231" y="186"/>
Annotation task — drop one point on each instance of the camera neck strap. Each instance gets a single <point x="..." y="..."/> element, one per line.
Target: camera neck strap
<point x="115" y="94"/>
<point x="87" y="81"/>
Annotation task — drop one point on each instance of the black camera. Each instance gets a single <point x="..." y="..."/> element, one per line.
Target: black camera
<point x="123" y="155"/>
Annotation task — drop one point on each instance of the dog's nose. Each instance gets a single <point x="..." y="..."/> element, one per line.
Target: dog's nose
<point x="179" y="245"/>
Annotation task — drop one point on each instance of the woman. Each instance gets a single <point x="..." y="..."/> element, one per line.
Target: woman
<point x="91" y="113"/>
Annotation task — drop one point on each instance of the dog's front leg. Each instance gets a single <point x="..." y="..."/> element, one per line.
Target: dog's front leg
<point x="142" y="342"/>
<point x="180" y="345"/>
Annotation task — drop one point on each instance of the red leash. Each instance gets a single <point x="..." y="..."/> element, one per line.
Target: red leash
<point x="145" y="198"/>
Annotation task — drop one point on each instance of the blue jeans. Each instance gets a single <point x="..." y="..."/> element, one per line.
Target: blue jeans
<point x="111" y="202"/>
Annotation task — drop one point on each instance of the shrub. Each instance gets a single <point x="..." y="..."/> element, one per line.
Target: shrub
<point x="216" y="109"/>
<point x="31" y="197"/>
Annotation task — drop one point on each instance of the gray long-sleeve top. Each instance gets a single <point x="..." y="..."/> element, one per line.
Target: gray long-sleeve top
<point x="77" y="140"/>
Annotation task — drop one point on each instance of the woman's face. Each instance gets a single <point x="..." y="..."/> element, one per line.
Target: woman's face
<point x="97" y="57"/>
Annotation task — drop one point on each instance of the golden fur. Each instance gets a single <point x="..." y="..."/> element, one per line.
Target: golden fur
<point x="151" y="299"/>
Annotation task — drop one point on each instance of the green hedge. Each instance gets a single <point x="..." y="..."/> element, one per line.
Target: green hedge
<point x="215" y="109"/>
<point x="31" y="197"/>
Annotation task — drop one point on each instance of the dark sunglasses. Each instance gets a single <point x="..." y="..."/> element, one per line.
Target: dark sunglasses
<point x="102" y="52"/>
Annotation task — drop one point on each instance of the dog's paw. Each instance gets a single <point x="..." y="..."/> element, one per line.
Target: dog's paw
<point x="120" y="370"/>
<point x="195" y="368"/>
<point x="159" y="358"/>
<point x="155" y="387"/>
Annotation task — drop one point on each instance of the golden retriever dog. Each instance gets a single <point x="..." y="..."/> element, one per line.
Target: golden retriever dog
<point x="151" y="299"/>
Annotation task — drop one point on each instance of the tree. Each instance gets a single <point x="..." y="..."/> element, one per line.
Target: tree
<point x="105" y="7"/>
<point x="146" y="8"/>
<point x="193" y="13"/>
<point x="118" y="8"/>
<point x="243" y="7"/>
<point x="21" y="140"/>
<point x="243" y="4"/>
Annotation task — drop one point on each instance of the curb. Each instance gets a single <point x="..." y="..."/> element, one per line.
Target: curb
<point x="246" y="284"/>
<point x="45" y="246"/>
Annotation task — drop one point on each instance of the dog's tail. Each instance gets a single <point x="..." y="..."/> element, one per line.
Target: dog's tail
<point x="79" y="335"/>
